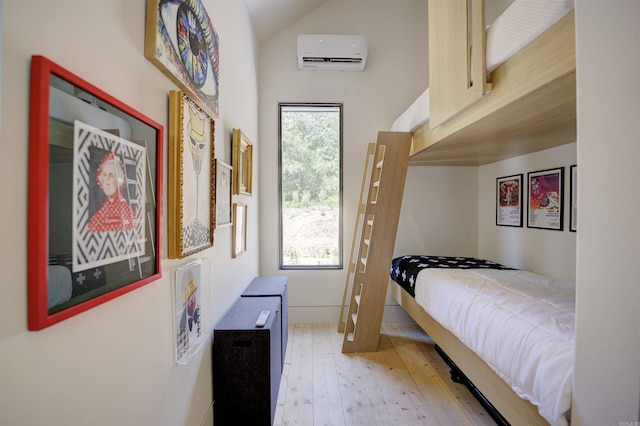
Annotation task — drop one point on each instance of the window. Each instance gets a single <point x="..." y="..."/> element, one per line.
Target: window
<point x="310" y="137"/>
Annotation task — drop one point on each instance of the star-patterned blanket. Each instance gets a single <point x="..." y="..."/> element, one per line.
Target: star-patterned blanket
<point x="405" y="269"/>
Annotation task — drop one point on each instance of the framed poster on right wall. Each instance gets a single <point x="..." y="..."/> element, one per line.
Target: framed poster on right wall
<point x="509" y="200"/>
<point x="545" y="198"/>
<point x="573" y="212"/>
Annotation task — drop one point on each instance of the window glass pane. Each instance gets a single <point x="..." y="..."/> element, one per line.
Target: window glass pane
<point x="310" y="186"/>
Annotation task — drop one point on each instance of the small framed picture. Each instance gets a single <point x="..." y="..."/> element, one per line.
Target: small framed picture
<point x="224" y="178"/>
<point x="573" y="214"/>
<point x="509" y="200"/>
<point x="545" y="199"/>
<point x="242" y="161"/>
<point x="239" y="242"/>
<point x="188" y="311"/>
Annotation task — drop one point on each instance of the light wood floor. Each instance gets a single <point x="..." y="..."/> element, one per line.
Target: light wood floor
<point x="404" y="383"/>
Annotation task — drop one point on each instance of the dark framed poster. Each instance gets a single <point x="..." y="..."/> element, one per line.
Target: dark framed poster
<point x="545" y="198"/>
<point x="509" y="200"/>
<point x="573" y="213"/>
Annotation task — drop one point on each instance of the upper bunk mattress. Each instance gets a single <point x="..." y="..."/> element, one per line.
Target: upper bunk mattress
<point x="520" y="323"/>
<point x="521" y="23"/>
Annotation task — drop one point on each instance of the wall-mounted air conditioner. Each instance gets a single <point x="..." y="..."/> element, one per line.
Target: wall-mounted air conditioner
<point x="332" y="52"/>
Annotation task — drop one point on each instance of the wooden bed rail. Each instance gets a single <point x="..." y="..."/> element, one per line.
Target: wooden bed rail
<point x="516" y="410"/>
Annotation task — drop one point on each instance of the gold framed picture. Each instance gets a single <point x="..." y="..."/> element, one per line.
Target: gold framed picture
<point x="239" y="242"/>
<point x="191" y="180"/>
<point x="241" y="155"/>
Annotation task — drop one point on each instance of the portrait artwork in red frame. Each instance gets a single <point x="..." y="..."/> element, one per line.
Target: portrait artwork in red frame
<point x="79" y="136"/>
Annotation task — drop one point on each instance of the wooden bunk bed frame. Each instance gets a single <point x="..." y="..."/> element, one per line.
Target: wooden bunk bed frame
<point x="526" y="105"/>
<point x="531" y="107"/>
<point x="515" y="410"/>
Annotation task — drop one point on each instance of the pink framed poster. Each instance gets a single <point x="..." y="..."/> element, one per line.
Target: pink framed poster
<point x="545" y="198"/>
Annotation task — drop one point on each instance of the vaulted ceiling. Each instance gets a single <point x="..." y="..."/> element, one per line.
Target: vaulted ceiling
<point x="270" y="16"/>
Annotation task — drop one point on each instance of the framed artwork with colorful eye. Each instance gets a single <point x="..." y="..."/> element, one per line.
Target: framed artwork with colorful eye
<point x="183" y="44"/>
<point x="95" y="188"/>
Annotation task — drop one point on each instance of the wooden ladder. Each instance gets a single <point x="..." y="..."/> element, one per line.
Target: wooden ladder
<point x="372" y="251"/>
<point x="353" y="256"/>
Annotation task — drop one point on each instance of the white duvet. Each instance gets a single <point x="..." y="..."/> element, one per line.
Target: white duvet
<point x="520" y="323"/>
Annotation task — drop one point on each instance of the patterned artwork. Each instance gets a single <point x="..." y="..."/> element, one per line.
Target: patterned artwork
<point x="182" y="42"/>
<point x="108" y="203"/>
<point x="405" y="269"/>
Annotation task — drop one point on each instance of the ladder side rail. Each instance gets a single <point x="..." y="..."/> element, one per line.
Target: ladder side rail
<point x="369" y="305"/>
<point x="353" y="256"/>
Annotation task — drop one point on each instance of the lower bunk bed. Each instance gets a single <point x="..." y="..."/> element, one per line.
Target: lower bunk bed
<point x="511" y="332"/>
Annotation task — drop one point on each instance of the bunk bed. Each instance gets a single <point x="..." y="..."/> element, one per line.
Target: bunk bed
<point x="479" y="110"/>
<point x="518" y="97"/>
<point x="509" y="331"/>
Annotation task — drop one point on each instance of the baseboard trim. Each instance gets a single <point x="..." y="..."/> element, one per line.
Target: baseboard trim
<point x="331" y="314"/>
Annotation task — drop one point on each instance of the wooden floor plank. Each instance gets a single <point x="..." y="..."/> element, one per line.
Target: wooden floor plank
<point x="327" y="405"/>
<point x="441" y="403"/>
<point x="426" y="346"/>
<point x="383" y="407"/>
<point x="404" y="383"/>
<point x="282" y="394"/>
<point x="298" y="405"/>
<point x="356" y="405"/>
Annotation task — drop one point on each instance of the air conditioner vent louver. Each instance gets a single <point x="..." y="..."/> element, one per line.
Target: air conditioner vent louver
<point x="332" y="52"/>
<point x="334" y="60"/>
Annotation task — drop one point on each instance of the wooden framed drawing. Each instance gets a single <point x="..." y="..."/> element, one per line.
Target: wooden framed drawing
<point x="545" y="198"/>
<point x="242" y="161"/>
<point x="509" y="200"/>
<point x="182" y="43"/>
<point x="239" y="241"/>
<point x="224" y="176"/>
<point x="191" y="181"/>
<point x="573" y="213"/>
<point x="95" y="187"/>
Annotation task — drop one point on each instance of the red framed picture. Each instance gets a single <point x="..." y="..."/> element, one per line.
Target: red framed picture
<point x="95" y="186"/>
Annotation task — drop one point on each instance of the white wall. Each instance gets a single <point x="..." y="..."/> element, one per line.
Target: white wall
<point x="396" y="73"/>
<point x="114" y="364"/>
<point x="607" y="371"/>
<point x="547" y="252"/>
<point x="439" y="212"/>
